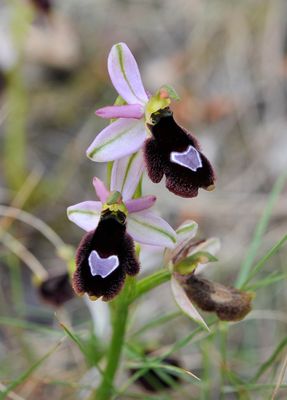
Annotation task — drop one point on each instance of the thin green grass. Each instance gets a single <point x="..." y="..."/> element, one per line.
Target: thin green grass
<point x="260" y="230"/>
<point x="25" y="375"/>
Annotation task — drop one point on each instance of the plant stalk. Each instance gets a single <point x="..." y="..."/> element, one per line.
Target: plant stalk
<point x="119" y="322"/>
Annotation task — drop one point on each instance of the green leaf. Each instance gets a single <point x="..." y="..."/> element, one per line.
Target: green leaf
<point x="18" y="323"/>
<point x="150" y="282"/>
<point x="270" y="361"/>
<point x="260" y="230"/>
<point x="269" y="280"/>
<point x="74" y="338"/>
<point x="158" y="321"/>
<point x="264" y="259"/>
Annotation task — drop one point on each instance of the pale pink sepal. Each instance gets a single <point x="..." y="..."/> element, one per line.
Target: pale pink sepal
<point x="101" y="190"/>
<point x="127" y="111"/>
<point x="185" y="304"/>
<point x="140" y="204"/>
<point x="86" y="214"/>
<point x="125" y="75"/>
<point x="126" y="174"/>
<point x="146" y="227"/>
<point x="119" y="139"/>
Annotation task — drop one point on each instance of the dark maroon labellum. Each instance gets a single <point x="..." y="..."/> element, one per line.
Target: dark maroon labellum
<point x="175" y="153"/>
<point x="108" y="242"/>
<point x="56" y="290"/>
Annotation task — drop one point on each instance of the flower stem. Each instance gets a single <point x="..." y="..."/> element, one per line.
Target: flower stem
<point x="150" y="282"/>
<point x="119" y="322"/>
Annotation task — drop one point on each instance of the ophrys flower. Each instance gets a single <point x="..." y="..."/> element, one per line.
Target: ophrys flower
<point x="170" y="151"/>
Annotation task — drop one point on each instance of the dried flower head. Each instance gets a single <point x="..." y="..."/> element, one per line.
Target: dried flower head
<point x="228" y="303"/>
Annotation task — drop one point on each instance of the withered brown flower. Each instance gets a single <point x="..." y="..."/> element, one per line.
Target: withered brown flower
<point x="229" y="303"/>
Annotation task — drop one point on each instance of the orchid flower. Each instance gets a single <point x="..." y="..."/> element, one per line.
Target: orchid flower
<point x="106" y="253"/>
<point x="143" y="225"/>
<point x="169" y="151"/>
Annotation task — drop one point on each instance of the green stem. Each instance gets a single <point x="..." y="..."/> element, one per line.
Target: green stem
<point x="120" y="306"/>
<point x="119" y="323"/>
<point x="150" y="282"/>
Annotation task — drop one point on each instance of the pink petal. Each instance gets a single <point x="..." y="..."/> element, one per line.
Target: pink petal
<point x="126" y="111"/>
<point x="126" y="174"/>
<point x="86" y="214"/>
<point x="135" y="205"/>
<point x="146" y="227"/>
<point x="101" y="190"/>
<point x="119" y="139"/>
<point x="125" y="75"/>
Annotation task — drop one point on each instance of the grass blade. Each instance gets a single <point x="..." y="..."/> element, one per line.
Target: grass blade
<point x="264" y="259"/>
<point x="260" y="230"/>
<point x="24" y="376"/>
<point x="268" y="363"/>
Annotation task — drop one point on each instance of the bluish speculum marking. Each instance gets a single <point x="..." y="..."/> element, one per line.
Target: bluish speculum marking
<point x="190" y="158"/>
<point x="102" y="266"/>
